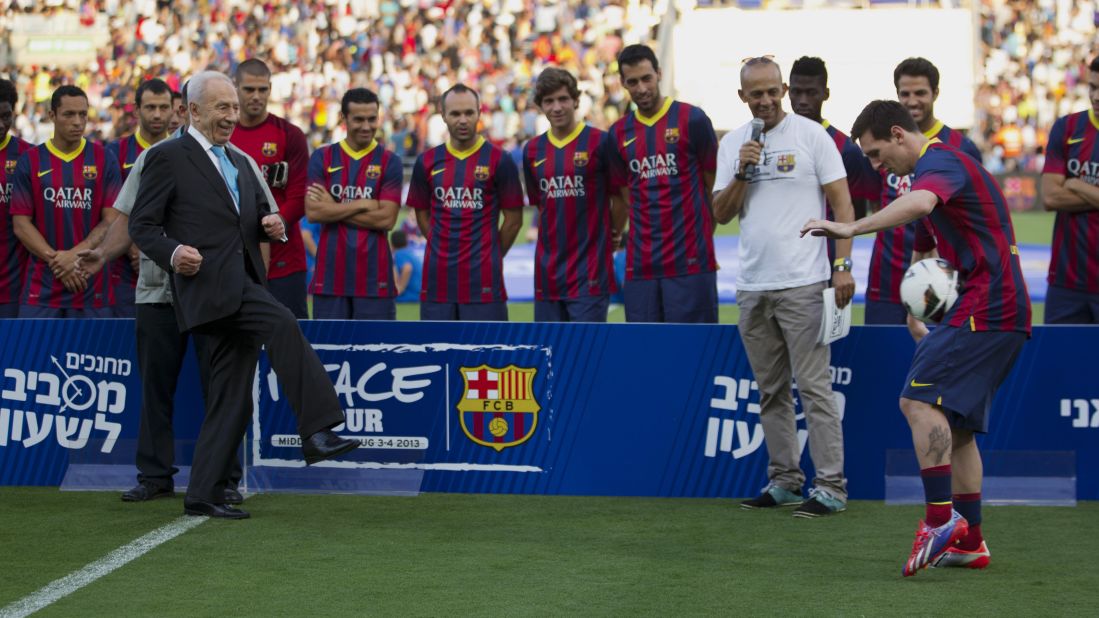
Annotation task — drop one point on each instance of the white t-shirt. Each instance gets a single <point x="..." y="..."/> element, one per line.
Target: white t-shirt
<point x="798" y="158"/>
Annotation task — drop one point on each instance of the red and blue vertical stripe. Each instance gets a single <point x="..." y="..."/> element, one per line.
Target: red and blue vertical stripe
<point x="14" y="257"/>
<point x="1073" y="152"/>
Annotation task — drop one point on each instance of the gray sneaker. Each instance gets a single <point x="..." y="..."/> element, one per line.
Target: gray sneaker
<point x="772" y="496"/>
<point x="821" y="502"/>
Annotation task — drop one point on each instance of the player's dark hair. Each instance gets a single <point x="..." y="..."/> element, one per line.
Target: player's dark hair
<point x="1094" y="66"/>
<point x="68" y="90"/>
<point x="155" y="86"/>
<point x="183" y="91"/>
<point x="356" y="95"/>
<point x="553" y="79"/>
<point x="176" y="95"/>
<point x="398" y="239"/>
<point x="916" y="67"/>
<point x="809" y="66"/>
<point x="879" y="117"/>
<point x="636" y="54"/>
<point x="251" y="66"/>
<point x="458" y="89"/>
<point x="8" y="93"/>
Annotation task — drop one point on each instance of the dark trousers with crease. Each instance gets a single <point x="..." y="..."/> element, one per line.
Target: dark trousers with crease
<point x="233" y="348"/>
<point x="161" y="349"/>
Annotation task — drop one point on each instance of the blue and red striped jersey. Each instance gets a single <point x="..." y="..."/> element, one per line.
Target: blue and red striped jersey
<point x="862" y="179"/>
<point x="126" y="151"/>
<point x="1073" y="152"/>
<point x="353" y="260"/>
<point x="65" y="195"/>
<point x="282" y="153"/>
<point x="14" y="255"/>
<point x="972" y="225"/>
<point x="465" y="192"/>
<point x="663" y="160"/>
<point x="568" y="180"/>
<point x="893" y="248"/>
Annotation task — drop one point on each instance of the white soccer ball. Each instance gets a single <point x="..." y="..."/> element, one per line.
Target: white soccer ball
<point x="929" y="289"/>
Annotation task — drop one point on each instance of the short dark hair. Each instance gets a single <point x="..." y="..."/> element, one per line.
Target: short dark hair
<point x="398" y="239"/>
<point x="636" y="54"/>
<point x="1094" y="66"/>
<point x="356" y="95"/>
<point x="553" y="79"/>
<point x="879" y="117"/>
<point x="68" y="90"/>
<point x="8" y="93"/>
<point x="155" y="86"/>
<point x="251" y="66"/>
<point x="809" y="66"/>
<point x="176" y="95"/>
<point x="183" y="91"/>
<point x="458" y="89"/>
<point x="916" y="67"/>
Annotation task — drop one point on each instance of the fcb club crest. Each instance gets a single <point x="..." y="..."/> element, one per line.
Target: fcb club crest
<point x="785" y="163"/>
<point x="90" y="172"/>
<point x="373" y="172"/>
<point x="580" y="159"/>
<point x="481" y="173"/>
<point x="671" y="136"/>
<point x="498" y="408"/>
<point x="9" y="166"/>
<point x="270" y="149"/>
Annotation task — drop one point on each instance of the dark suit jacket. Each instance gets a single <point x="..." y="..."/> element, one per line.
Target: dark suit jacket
<point x="183" y="199"/>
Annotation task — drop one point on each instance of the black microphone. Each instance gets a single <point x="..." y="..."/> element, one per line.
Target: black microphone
<point x="757" y="131"/>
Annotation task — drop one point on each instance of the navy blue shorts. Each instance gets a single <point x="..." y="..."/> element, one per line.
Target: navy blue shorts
<point x="1067" y="306"/>
<point x="353" y="308"/>
<point x="687" y="299"/>
<point x="582" y="309"/>
<point x="960" y="370"/>
<point x="883" y="312"/>
<point x="471" y="312"/>
<point x="34" y="312"/>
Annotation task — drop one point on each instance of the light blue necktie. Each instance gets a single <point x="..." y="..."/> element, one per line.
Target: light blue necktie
<point x="229" y="173"/>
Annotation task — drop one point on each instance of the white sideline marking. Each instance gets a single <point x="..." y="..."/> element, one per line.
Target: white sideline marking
<point x="63" y="587"/>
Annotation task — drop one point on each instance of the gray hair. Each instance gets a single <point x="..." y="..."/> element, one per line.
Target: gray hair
<point x="196" y="87"/>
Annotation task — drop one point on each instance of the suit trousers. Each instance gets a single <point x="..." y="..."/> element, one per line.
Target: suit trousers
<point x="779" y="330"/>
<point x="234" y="345"/>
<point x="161" y="349"/>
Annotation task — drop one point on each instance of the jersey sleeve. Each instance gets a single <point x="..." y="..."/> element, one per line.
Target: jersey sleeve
<point x="112" y="180"/>
<point x="616" y="164"/>
<point x="22" y="200"/>
<point x="419" y="188"/>
<point x="508" y="188"/>
<point x="862" y="180"/>
<point x="703" y="140"/>
<point x="315" y="173"/>
<point x="942" y="174"/>
<point x="1055" y="149"/>
<point x="297" y="157"/>
<point x="971" y="149"/>
<point x="392" y="179"/>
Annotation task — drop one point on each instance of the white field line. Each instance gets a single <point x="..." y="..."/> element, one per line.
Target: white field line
<point x="63" y="587"/>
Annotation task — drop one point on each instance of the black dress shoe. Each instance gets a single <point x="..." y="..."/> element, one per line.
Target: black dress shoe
<point x="147" y="491"/>
<point x="324" y="445"/>
<point x="232" y="496"/>
<point x="208" y="509"/>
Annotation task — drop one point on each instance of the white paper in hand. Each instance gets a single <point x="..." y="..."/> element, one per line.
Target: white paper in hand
<point x="835" y="323"/>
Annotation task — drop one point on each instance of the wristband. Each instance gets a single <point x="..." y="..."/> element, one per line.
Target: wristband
<point x="841" y="265"/>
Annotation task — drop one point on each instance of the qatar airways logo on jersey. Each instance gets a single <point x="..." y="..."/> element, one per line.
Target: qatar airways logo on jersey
<point x="351" y="193"/>
<point x="562" y="186"/>
<point x="899" y="184"/>
<point x="70" y="198"/>
<point x="460" y="197"/>
<point x="655" y="166"/>
<point x="1088" y="171"/>
<point x="5" y="193"/>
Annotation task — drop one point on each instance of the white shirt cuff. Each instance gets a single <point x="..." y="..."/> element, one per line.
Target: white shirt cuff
<point x="172" y="260"/>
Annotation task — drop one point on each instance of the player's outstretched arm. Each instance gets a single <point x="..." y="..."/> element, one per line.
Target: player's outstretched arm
<point x="908" y="207"/>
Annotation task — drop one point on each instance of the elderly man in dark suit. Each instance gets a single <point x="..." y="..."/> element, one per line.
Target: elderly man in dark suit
<point x="199" y="218"/>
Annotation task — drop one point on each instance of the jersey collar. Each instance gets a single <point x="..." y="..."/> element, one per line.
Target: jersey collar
<point x="66" y="157"/>
<point x="933" y="131"/>
<point x="360" y="153"/>
<point x="1093" y="118"/>
<point x="568" y="139"/>
<point x="7" y="140"/>
<point x="141" y="139"/>
<point x="931" y="141"/>
<point x="650" y="121"/>
<point x="465" y="154"/>
<point x="825" y="124"/>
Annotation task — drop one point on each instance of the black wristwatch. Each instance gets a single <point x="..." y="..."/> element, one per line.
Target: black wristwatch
<point x="841" y="265"/>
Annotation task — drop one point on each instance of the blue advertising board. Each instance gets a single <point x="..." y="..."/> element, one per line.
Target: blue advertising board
<point x="581" y="409"/>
